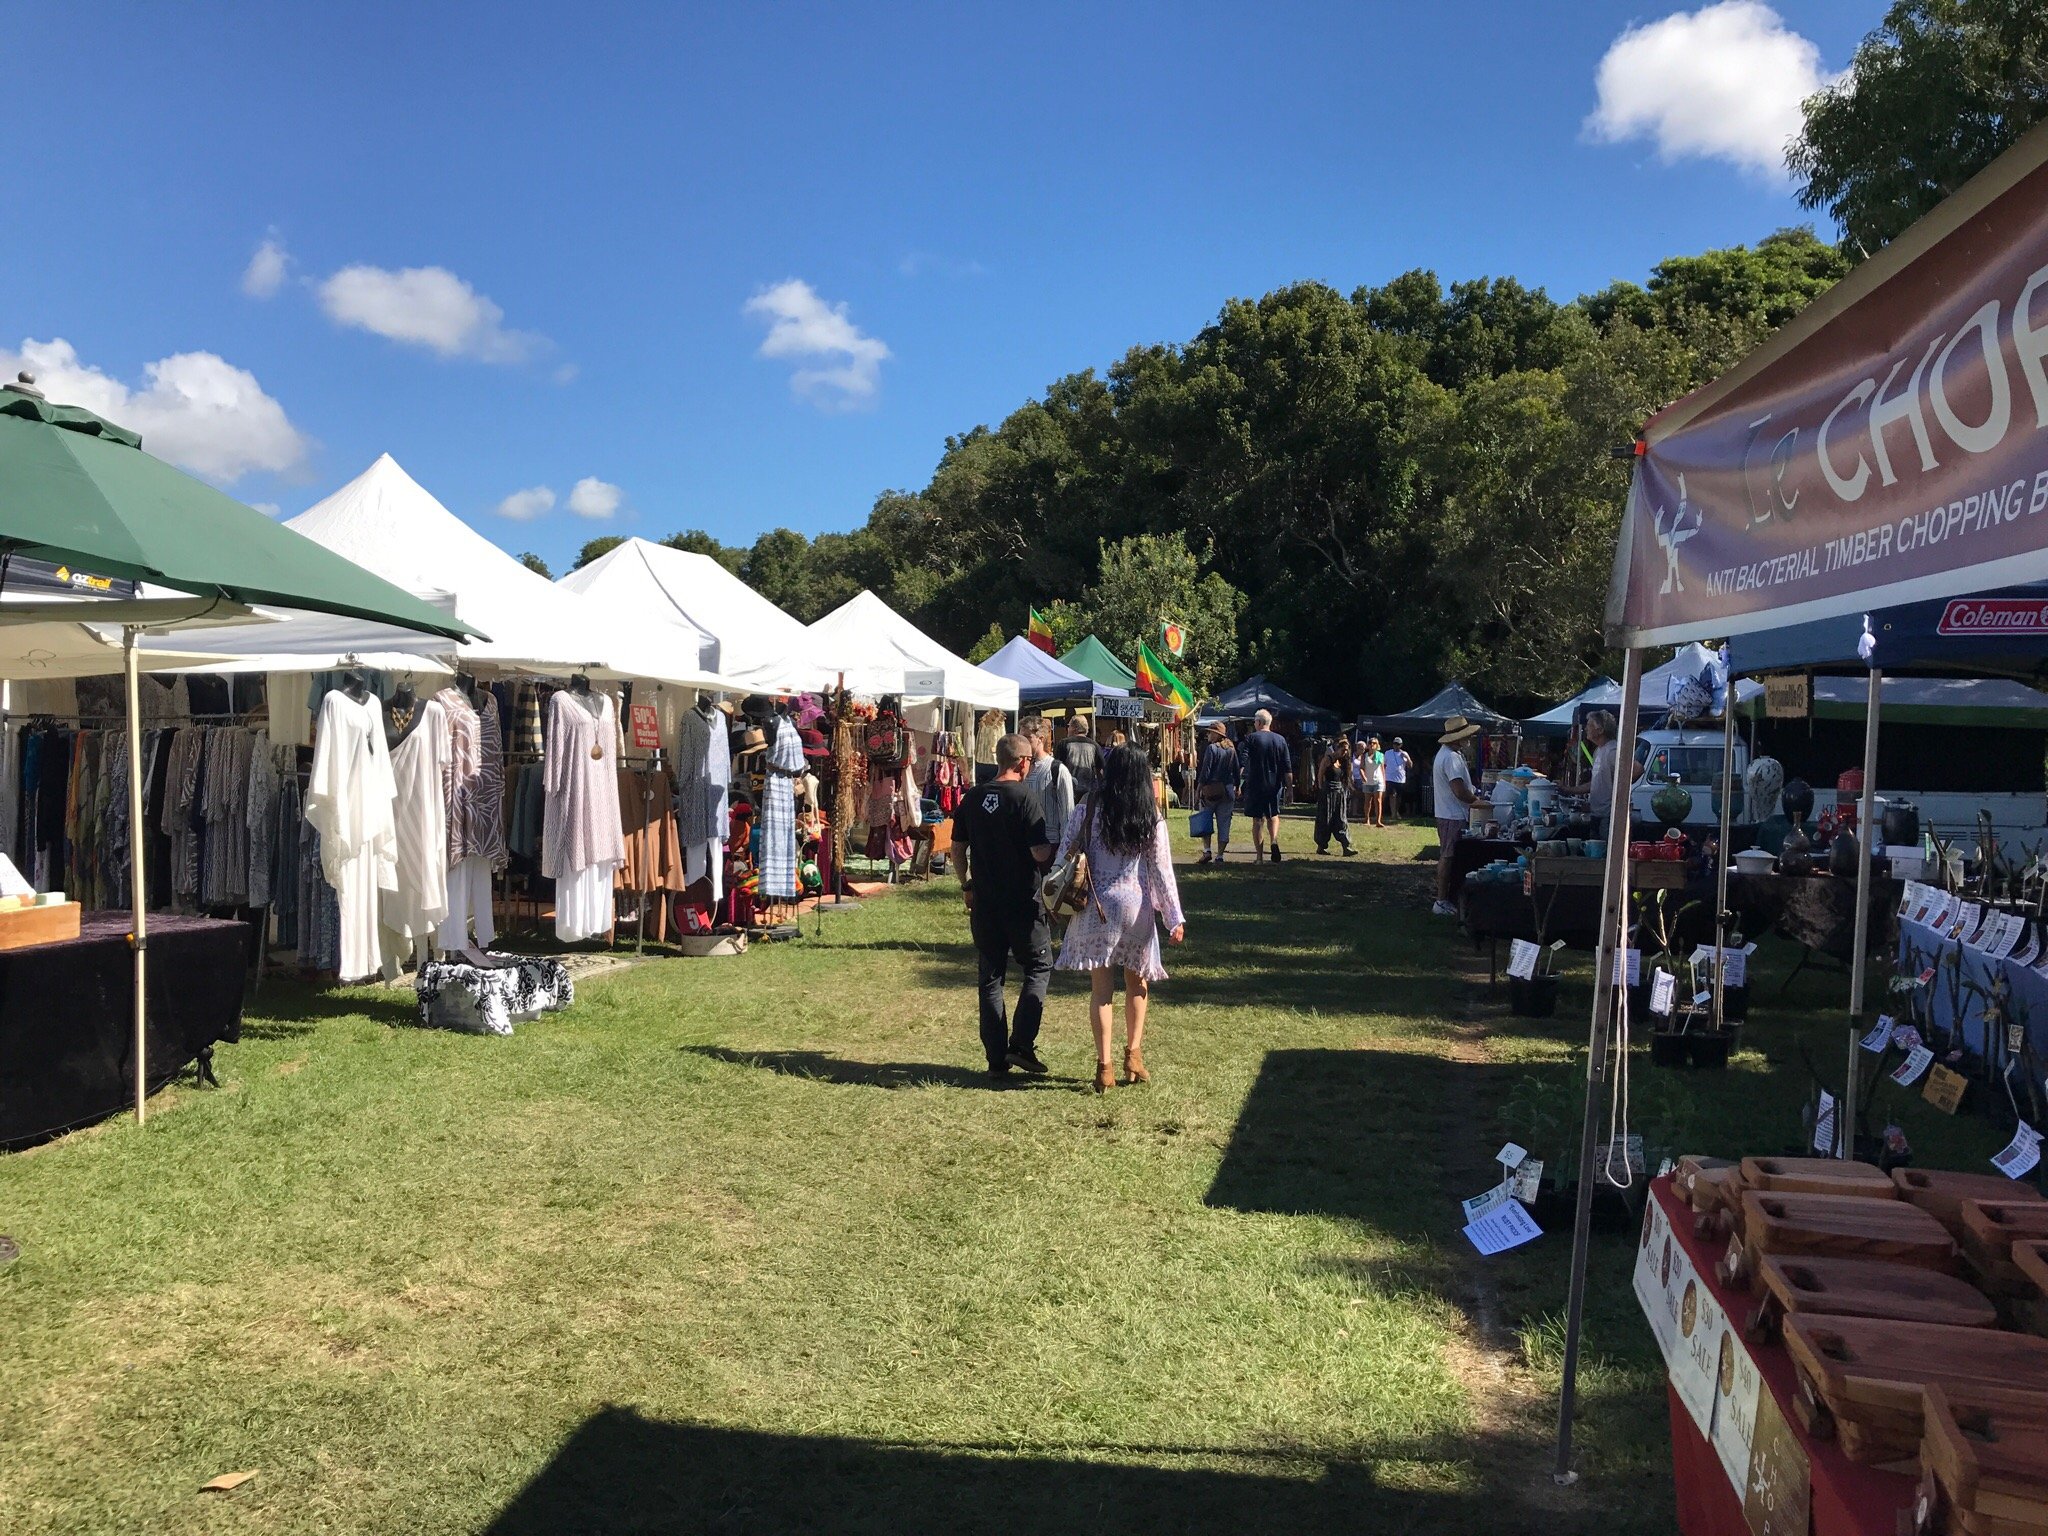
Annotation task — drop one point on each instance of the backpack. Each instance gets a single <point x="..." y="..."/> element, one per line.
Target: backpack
<point x="887" y="742"/>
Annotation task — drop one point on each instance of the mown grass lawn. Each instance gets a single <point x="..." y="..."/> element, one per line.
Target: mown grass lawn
<point x="749" y="1245"/>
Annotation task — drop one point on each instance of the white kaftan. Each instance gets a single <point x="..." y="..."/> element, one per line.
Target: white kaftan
<point x="349" y="802"/>
<point x="584" y="842"/>
<point x="418" y="906"/>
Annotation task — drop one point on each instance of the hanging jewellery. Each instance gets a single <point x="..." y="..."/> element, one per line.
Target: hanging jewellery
<point x="403" y="720"/>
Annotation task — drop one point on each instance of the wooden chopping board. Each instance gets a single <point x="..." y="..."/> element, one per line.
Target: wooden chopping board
<point x="1989" y="1458"/>
<point x="1874" y="1288"/>
<point x="1692" y="1168"/>
<point x="1941" y="1194"/>
<point x="1870" y="1373"/>
<point x="1845" y="1227"/>
<point x="1989" y="1230"/>
<point x="2030" y="1258"/>
<point x="1817" y="1176"/>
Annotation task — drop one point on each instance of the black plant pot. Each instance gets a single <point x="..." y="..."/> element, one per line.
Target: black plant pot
<point x="1534" y="998"/>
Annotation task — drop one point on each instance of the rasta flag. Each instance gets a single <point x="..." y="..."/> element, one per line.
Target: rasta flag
<point x="1039" y="632"/>
<point x="1173" y="639"/>
<point x="1162" y="685"/>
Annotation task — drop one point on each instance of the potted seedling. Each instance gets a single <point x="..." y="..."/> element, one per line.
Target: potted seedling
<point x="1684" y="1036"/>
<point x="1535" y="996"/>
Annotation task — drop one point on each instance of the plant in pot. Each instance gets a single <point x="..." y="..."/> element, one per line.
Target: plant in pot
<point x="1686" y="1036"/>
<point x="1535" y="996"/>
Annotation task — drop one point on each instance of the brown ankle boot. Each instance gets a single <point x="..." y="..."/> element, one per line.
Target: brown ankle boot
<point x="1105" y="1079"/>
<point x="1134" y="1067"/>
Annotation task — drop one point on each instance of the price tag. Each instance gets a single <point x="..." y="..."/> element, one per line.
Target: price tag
<point x="1522" y="960"/>
<point x="646" y="728"/>
<point x="1734" y="967"/>
<point x="1628" y="967"/>
<point x="2028" y="951"/>
<point x="1663" y="992"/>
<point x="1510" y="1156"/>
<point x="1880" y="1038"/>
<point x="1824" y="1125"/>
<point x="2021" y="1155"/>
<point x="1926" y="976"/>
<point x="1702" y="998"/>
<point x="1907" y="1072"/>
<point x="1963" y="920"/>
<point x="1945" y="1089"/>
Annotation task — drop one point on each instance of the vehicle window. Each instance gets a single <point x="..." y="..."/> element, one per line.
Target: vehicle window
<point x="1694" y="765"/>
<point x="1654" y="769"/>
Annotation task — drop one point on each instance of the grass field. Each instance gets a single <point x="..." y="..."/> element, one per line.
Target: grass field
<point x="750" y="1245"/>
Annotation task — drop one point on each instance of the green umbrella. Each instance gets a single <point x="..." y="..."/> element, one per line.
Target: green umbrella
<point x="77" y="489"/>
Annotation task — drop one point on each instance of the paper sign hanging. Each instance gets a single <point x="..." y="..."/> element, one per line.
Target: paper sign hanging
<point x="646" y="728"/>
<point x="2021" y="1155"/>
<point x="1507" y="1227"/>
<point x="1824" y="1125"/>
<point x="1907" y="1073"/>
<point x="1663" y="993"/>
<point x="1522" y="959"/>
<point x="1628" y="967"/>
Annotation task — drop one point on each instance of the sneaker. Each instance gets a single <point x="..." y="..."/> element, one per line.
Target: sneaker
<point x="1206" y="858"/>
<point x="1027" y="1061"/>
<point x="1443" y="909"/>
<point x="998" y="1075"/>
<point x="1349" y="851"/>
<point x="1276" y="855"/>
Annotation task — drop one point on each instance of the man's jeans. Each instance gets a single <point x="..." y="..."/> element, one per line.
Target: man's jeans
<point x="1001" y="936"/>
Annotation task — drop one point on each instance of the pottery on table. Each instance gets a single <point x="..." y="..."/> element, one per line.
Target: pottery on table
<point x="1671" y="804"/>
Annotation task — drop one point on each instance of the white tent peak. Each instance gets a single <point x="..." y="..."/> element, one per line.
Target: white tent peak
<point x="874" y="646"/>
<point x="646" y="582"/>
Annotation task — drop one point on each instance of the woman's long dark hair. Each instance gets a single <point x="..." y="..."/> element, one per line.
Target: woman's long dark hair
<point x="1125" y="812"/>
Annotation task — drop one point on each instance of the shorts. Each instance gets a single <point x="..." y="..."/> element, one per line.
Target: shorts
<point x="1261" y="803"/>
<point x="1448" y="833"/>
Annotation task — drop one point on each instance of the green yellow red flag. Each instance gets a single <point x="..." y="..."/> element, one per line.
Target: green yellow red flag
<point x="1039" y="632"/>
<point x="1155" y="680"/>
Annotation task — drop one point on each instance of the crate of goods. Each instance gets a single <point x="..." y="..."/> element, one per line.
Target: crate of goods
<point x="1837" y="1226"/>
<point x="1862" y="1378"/>
<point x="1941" y="1195"/>
<point x="25" y="926"/>
<point x="1984" y="1467"/>
<point x="1817" y="1176"/>
<point x="1795" y="1286"/>
<point x="1988" y="1231"/>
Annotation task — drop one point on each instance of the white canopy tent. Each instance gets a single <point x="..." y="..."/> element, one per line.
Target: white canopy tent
<point x="744" y="633"/>
<point x="385" y="521"/>
<point x="877" y="651"/>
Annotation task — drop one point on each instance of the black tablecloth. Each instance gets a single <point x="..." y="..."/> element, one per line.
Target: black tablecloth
<point x="67" y="1017"/>
<point x="1469" y="853"/>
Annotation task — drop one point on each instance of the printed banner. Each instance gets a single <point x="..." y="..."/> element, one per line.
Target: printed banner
<point x="1890" y="444"/>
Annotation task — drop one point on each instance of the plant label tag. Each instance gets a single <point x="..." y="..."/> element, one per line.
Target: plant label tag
<point x="1510" y="1156"/>
<point x="1663" y="992"/>
<point x="1824" y="1125"/>
<point x="1907" y="1073"/>
<point x="2021" y="1155"/>
<point x="1628" y="967"/>
<point x="1479" y="1205"/>
<point x="1945" y="1089"/>
<point x="1702" y="998"/>
<point x="1508" y="1227"/>
<point x="2029" y="949"/>
<point x="1880" y="1038"/>
<point x="1734" y="963"/>
<point x="1926" y="976"/>
<point x="1522" y="960"/>
<point x="1527" y="1183"/>
<point x="2015" y="1039"/>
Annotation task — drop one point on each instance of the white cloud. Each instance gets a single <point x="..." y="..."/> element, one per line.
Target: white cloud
<point x="1723" y="82"/>
<point x="566" y="374"/>
<point x="268" y="508"/>
<point x="594" y="498"/>
<point x="524" y="506"/>
<point x="921" y="263"/>
<point x="845" y="362"/>
<point x="424" y="307"/>
<point x="265" y="273"/>
<point x="196" y="410"/>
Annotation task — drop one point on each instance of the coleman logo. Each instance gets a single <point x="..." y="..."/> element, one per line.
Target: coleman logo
<point x="1994" y="616"/>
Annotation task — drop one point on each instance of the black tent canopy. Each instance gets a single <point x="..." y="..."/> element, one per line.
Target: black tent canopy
<point x="1428" y="717"/>
<point x="1243" y="700"/>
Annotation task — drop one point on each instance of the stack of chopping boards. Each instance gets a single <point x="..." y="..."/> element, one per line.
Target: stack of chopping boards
<point x="1941" y="1195"/>
<point x="1835" y="1226"/>
<point x="1710" y="1186"/>
<point x="2030" y="1258"/>
<point x="1984" y="1468"/>
<point x="1817" y="1176"/>
<point x="1987" y="1231"/>
<point x="1863" y="1378"/>
<point x="1865" y="1288"/>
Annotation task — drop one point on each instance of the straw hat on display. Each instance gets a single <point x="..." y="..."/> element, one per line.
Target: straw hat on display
<point x="1456" y="729"/>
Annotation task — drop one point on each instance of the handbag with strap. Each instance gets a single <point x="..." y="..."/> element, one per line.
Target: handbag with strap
<point x="1069" y="887"/>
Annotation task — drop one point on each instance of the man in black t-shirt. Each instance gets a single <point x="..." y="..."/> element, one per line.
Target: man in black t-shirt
<point x="1000" y="841"/>
<point x="1079" y="755"/>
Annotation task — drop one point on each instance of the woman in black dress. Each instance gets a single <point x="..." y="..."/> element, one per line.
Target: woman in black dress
<point x="1333" y="789"/>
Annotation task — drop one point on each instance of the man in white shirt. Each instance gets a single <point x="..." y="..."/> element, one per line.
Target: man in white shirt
<point x="1398" y="764"/>
<point x="1452" y="796"/>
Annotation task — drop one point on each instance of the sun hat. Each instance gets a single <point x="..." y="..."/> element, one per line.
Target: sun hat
<point x="1456" y="729"/>
<point x="1215" y="728"/>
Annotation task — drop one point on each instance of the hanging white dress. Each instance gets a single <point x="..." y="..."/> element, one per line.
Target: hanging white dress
<point x="420" y="904"/>
<point x="584" y="841"/>
<point x="349" y="802"/>
<point x="703" y="786"/>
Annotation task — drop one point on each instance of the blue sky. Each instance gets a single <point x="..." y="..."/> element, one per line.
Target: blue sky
<point x="521" y="247"/>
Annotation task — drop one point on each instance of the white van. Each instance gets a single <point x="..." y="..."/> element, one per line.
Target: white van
<point x="1694" y="759"/>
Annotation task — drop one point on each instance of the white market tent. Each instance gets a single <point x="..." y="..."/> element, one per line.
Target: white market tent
<point x="1653" y="695"/>
<point x="386" y="522"/>
<point x="647" y="583"/>
<point x="878" y="651"/>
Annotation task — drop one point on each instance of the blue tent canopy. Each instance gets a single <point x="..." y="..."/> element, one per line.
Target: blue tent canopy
<point x="1995" y="634"/>
<point x="1041" y="679"/>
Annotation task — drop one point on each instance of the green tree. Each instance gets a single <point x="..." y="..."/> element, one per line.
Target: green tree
<point x="1934" y="95"/>
<point x="535" y="564"/>
<point x="696" y="541"/>
<point x="992" y="640"/>
<point x="603" y="545"/>
<point x="1151" y="578"/>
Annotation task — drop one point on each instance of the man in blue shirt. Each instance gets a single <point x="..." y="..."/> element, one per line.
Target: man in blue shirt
<point x="1268" y="771"/>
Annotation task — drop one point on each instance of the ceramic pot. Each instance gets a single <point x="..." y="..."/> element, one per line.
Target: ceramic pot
<point x="1798" y="800"/>
<point x="1671" y="804"/>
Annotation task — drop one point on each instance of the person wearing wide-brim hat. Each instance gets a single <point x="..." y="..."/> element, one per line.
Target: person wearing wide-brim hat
<point x="1451" y="795"/>
<point x="1217" y="772"/>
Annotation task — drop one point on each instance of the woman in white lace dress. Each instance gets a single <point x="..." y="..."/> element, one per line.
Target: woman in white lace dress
<point x="1130" y="867"/>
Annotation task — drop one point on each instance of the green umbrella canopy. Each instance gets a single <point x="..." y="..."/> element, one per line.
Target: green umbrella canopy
<point x="1094" y="660"/>
<point x="76" y="489"/>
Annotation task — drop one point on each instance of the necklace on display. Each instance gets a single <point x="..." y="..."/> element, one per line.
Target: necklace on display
<point x="401" y="719"/>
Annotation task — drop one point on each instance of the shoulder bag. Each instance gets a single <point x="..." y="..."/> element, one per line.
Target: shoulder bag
<point x="1068" y="887"/>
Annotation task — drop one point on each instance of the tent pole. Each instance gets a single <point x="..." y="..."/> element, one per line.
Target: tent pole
<point x="138" y="872"/>
<point x="1721" y="874"/>
<point x="1860" y="945"/>
<point x="1613" y="922"/>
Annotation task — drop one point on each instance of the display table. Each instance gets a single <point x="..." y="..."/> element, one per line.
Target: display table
<point x="1960" y="990"/>
<point x="1845" y="1499"/>
<point x="67" y="1017"/>
<point x="1471" y="851"/>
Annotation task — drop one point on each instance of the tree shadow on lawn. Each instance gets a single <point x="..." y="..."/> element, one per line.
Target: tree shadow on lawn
<point x="284" y="1007"/>
<point x="841" y="1071"/>
<point x="621" y="1472"/>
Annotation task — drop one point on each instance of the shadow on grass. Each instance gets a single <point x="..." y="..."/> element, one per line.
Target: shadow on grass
<point x="286" y="1007"/>
<point x="621" y="1472"/>
<point x="841" y="1071"/>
